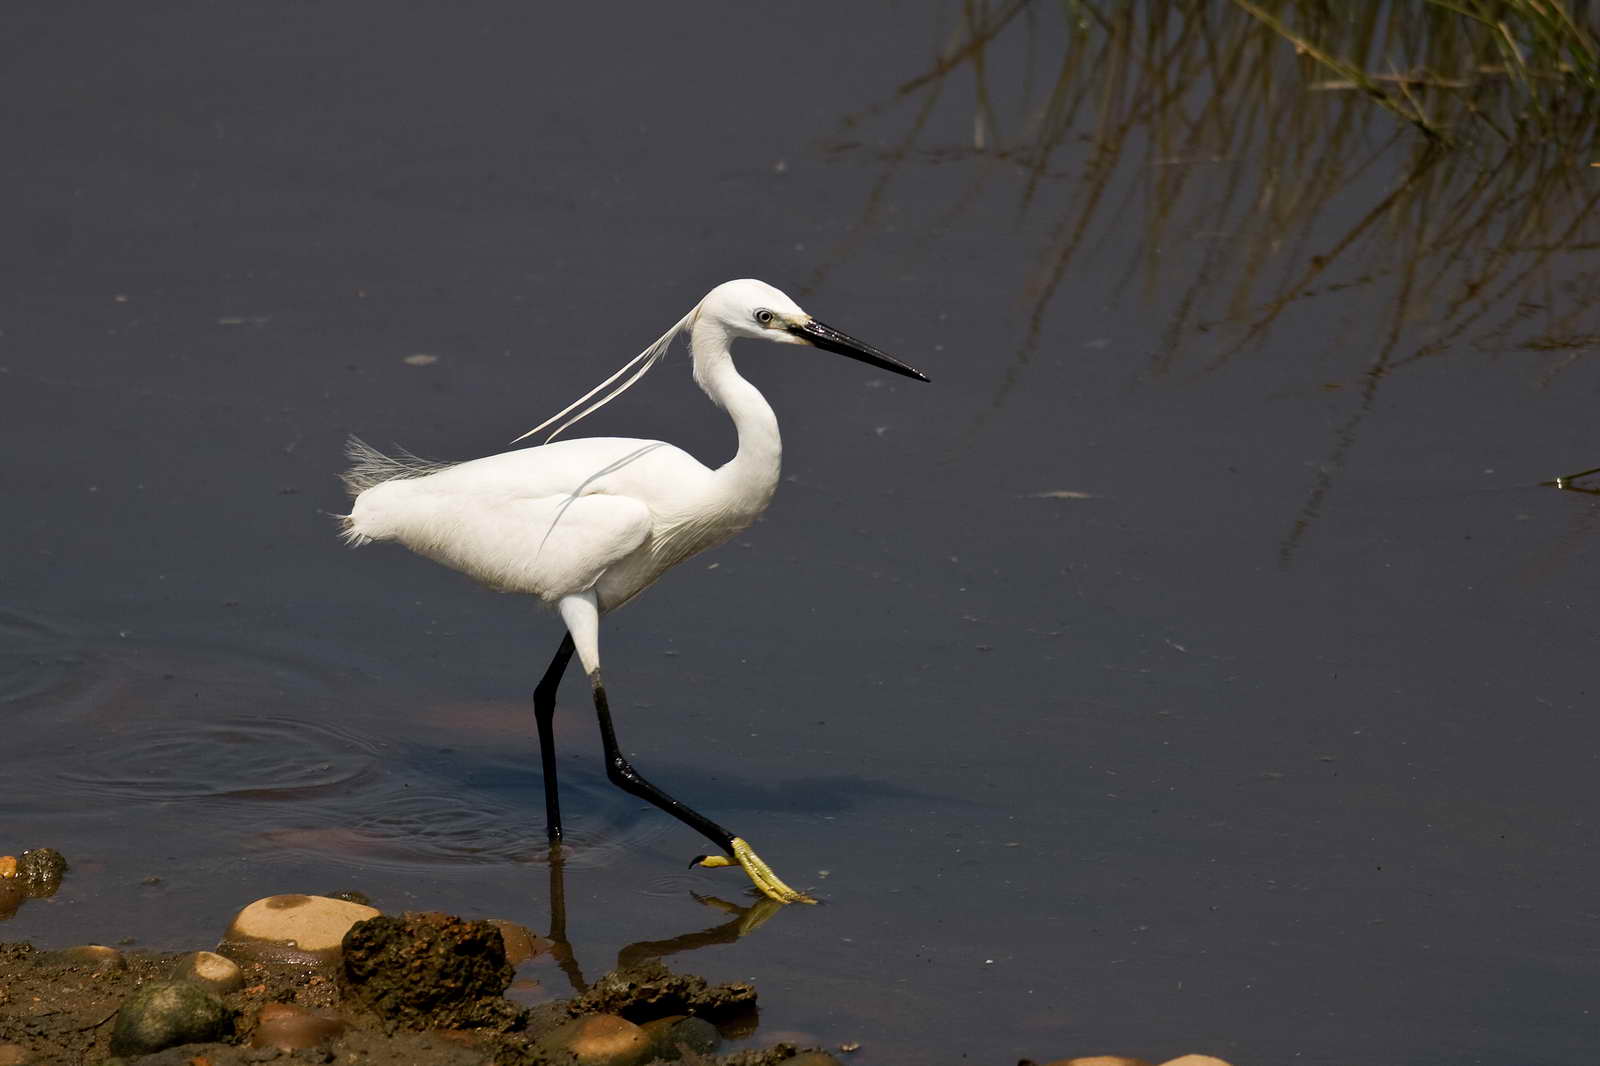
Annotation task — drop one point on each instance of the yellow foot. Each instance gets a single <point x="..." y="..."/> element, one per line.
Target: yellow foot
<point x="768" y="882"/>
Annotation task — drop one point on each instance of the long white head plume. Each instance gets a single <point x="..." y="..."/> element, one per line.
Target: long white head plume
<point x="649" y="358"/>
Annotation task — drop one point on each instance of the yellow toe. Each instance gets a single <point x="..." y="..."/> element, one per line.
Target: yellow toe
<point x="770" y="884"/>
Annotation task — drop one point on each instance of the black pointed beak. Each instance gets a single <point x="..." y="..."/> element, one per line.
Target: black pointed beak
<point x="833" y="340"/>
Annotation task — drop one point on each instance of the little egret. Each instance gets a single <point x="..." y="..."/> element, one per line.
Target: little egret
<point x="586" y="525"/>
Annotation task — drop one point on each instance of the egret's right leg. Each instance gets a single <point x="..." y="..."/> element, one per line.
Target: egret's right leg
<point x="544" y="712"/>
<point x="582" y="615"/>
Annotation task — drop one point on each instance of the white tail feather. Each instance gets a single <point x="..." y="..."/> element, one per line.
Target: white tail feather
<point x="369" y="466"/>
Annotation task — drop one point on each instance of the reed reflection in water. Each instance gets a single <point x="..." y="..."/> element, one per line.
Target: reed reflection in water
<point x="1412" y="172"/>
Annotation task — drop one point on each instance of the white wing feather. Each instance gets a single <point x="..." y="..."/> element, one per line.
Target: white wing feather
<point x="549" y="547"/>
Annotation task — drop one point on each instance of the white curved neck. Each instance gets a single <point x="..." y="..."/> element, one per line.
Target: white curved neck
<point x="753" y="472"/>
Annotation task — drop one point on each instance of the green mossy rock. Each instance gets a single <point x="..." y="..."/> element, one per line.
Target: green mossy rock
<point x="166" y="1014"/>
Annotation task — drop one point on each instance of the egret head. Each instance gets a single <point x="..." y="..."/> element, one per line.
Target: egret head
<point x="743" y="308"/>
<point x="750" y="308"/>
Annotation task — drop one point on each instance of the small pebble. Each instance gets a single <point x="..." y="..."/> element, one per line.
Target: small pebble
<point x="351" y="895"/>
<point x="168" y="1013"/>
<point x="96" y="957"/>
<point x="8" y="868"/>
<point x="1194" y="1060"/>
<point x="600" y="1040"/>
<point x="288" y="1027"/>
<point x="216" y="972"/>
<point x="303" y="930"/>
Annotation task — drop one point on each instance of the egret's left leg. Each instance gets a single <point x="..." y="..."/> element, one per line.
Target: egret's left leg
<point x="582" y="616"/>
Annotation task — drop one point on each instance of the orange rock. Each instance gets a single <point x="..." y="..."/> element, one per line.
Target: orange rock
<point x="8" y="868"/>
<point x="521" y="942"/>
<point x="290" y="1028"/>
<point x="1099" y="1060"/>
<point x="601" y="1040"/>
<point x="1194" y="1060"/>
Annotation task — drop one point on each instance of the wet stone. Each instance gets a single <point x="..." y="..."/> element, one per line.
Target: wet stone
<point x="428" y="971"/>
<point x="600" y="1040"/>
<point x="35" y="874"/>
<point x="521" y="942"/>
<point x="672" y="1035"/>
<point x="1098" y="1060"/>
<point x="40" y="870"/>
<point x="216" y="972"/>
<point x="166" y="1014"/>
<point x="95" y="957"/>
<point x="294" y="929"/>
<point x="288" y="1027"/>
<point x="1194" y="1060"/>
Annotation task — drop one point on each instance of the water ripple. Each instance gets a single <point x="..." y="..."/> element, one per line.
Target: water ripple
<point x="255" y="759"/>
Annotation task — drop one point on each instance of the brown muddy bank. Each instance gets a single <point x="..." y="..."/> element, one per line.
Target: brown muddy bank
<point x="63" y="1007"/>
<point x="417" y="988"/>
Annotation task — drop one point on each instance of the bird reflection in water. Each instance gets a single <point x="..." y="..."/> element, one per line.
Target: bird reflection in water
<point x="744" y="918"/>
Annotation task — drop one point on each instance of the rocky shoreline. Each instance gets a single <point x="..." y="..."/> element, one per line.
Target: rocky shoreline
<point x="319" y="979"/>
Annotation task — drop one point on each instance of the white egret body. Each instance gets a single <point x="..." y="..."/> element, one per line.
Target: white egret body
<point x="586" y="525"/>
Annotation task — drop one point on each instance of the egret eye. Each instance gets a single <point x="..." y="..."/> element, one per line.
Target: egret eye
<point x="764" y="317"/>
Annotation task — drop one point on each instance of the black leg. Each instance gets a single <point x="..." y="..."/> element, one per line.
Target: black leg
<point x="544" y="712"/>
<point x="627" y="778"/>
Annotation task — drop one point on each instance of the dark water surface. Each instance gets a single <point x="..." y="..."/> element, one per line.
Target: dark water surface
<point x="1196" y="664"/>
